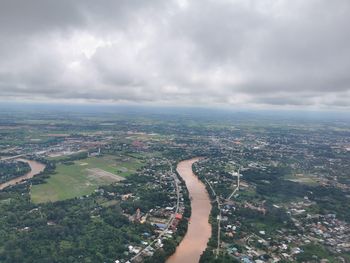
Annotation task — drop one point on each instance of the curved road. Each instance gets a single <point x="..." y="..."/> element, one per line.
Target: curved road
<point x="199" y="229"/>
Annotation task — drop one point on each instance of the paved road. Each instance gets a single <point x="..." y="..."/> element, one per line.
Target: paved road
<point x="11" y="157"/>
<point x="219" y="207"/>
<point x="170" y="220"/>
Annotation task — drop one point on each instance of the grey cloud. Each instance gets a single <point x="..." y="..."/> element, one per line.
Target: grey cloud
<point x="20" y="18"/>
<point x="233" y="53"/>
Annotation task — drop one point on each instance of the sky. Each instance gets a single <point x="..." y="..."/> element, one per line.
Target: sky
<point x="269" y="54"/>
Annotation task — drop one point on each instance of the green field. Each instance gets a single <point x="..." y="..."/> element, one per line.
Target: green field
<point x="305" y="179"/>
<point x="77" y="180"/>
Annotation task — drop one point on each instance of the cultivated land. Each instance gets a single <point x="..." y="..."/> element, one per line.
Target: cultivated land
<point x="83" y="177"/>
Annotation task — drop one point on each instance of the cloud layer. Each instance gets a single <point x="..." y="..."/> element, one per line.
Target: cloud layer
<point x="239" y="53"/>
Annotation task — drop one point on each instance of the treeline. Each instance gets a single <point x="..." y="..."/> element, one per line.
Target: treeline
<point x="11" y="170"/>
<point x="75" y="230"/>
<point x="73" y="157"/>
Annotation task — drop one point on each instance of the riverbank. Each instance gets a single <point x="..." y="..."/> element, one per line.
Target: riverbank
<point x="199" y="230"/>
<point x="35" y="167"/>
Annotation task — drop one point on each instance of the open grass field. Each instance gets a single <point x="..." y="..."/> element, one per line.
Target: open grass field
<point x="303" y="179"/>
<point x="83" y="177"/>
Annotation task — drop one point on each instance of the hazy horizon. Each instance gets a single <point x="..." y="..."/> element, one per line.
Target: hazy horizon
<point x="194" y="111"/>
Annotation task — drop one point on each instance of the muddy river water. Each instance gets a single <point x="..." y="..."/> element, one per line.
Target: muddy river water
<point x="199" y="229"/>
<point x="35" y="167"/>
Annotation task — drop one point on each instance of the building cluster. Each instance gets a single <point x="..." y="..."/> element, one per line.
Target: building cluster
<point x="314" y="160"/>
<point x="163" y="219"/>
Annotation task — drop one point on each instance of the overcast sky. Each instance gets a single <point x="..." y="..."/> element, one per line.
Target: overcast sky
<point x="235" y="53"/>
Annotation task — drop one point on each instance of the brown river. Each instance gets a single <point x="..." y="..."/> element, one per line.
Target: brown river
<point x="199" y="229"/>
<point x="35" y="167"/>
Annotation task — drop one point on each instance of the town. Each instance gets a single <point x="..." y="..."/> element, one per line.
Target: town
<point x="277" y="195"/>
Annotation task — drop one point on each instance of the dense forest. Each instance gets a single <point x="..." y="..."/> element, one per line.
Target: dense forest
<point x="76" y="230"/>
<point x="11" y="170"/>
<point x="94" y="228"/>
